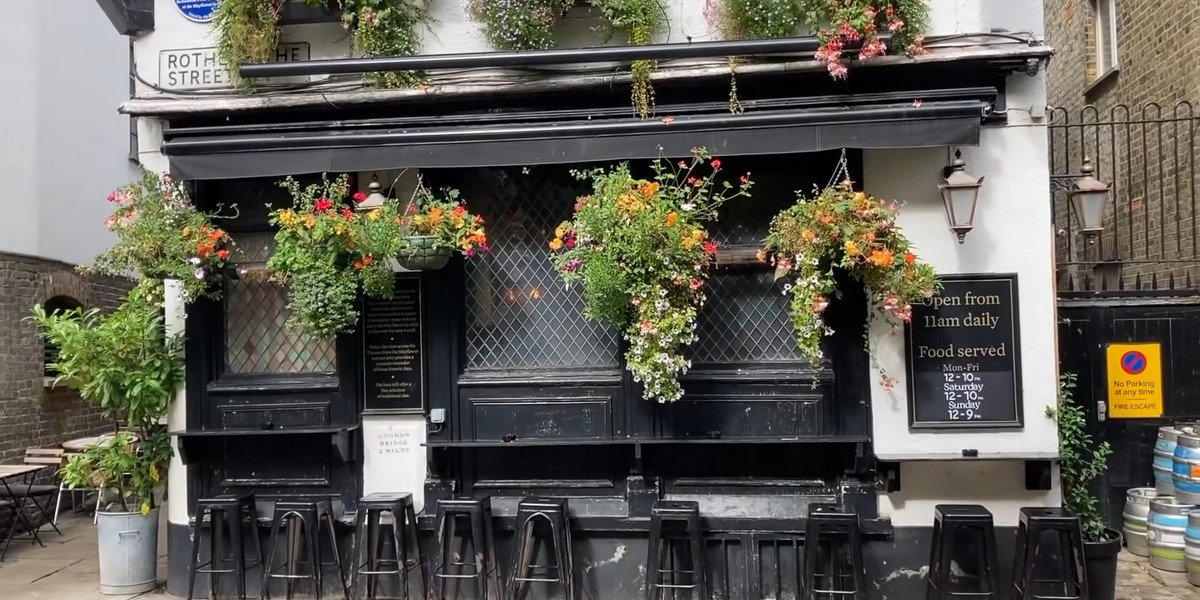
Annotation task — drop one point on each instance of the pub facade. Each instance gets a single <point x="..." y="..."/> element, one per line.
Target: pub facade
<point x="486" y="379"/>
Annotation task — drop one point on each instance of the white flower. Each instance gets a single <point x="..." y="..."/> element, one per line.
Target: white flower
<point x="688" y="206"/>
<point x="194" y="260"/>
<point x="201" y="273"/>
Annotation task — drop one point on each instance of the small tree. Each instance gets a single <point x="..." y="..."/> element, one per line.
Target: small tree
<point x="1081" y="460"/>
<point x="124" y="363"/>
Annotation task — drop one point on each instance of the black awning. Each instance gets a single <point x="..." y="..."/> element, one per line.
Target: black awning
<point x="778" y="126"/>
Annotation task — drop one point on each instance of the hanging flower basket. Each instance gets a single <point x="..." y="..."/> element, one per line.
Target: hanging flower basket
<point x="423" y="253"/>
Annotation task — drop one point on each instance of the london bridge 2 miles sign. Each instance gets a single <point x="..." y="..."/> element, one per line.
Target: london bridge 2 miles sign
<point x="964" y="355"/>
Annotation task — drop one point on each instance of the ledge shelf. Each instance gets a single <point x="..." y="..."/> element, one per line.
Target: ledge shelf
<point x="190" y="440"/>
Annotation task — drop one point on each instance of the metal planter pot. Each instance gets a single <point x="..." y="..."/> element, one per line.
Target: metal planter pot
<point x="423" y="254"/>
<point x="128" y="546"/>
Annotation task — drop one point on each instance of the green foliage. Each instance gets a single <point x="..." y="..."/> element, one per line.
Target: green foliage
<point x="1081" y="460"/>
<point x="640" y="250"/>
<point x="326" y="252"/>
<point x="124" y="363"/>
<point x="840" y="23"/>
<point x="641" y="20"/>
<point x="840" y="228"/>
<point x="246" y="31"/>
<point x="755" y="19"/>
<point x="161" y="235"/>
<point x="386" y="28"/>
<point x="519" y="24"/>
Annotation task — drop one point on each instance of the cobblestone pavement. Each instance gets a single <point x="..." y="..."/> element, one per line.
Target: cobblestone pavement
<point x="1137" y="580"/>
<point x="66" y="569"/>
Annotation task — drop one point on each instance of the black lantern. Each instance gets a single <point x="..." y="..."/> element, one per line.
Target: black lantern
<point x="960" y="193"/>
<point x="1088" y="197"/>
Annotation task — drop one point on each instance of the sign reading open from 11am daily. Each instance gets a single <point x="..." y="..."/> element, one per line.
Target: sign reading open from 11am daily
<point x="1135" y="383"/>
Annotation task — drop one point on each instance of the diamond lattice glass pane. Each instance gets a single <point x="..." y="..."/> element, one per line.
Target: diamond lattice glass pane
<point x="745" y="320"/>
<point x="519" y="315"/>
<point x="257" y="339"/>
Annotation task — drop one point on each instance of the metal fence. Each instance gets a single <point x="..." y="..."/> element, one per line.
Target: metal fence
<point x="1151" y="237"/>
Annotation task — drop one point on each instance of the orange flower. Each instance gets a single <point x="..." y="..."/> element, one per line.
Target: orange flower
<point x="366" y="260"/>
<point x="808" y="235"/>
<point x="672" y="217"/>
<point x="435" y="215"/>
<point x="556" y="244"/>
<point x="222" y="254"/>
<point x="698" y="235"/>
<point x="761" y="255"/>
<point x="869" y="236"/>
<point x="882" y="258"/>
<point x="909" y="258"/>
<point x="358" y="264"/>
<point x="460" y="210"/>
<point x="648" y="189"/>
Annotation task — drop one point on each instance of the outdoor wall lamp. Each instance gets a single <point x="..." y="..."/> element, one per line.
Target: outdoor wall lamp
<point x="960" y="193"/>
<point x="1088" y="197"/>
<point x="375" y="198"/>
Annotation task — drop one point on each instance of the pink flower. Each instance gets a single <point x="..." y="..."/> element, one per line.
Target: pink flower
<point x="572" y="265"/>
<point x="874" y="47"/>
<point x="359" y="197"/>
<point x="837" y="70"/>
<point x="696" y="284"/>
<point x="323" y="205"/>
<point x="716" y="163"/>
<point x="710" y="247"/>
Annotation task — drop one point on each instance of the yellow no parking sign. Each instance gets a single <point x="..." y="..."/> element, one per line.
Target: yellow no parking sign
<point x="1135" y="385"/>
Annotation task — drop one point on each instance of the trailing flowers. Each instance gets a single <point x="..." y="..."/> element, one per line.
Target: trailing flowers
<point x="162" y="235"/>
<point x="840" y="228"/>
<point x="841" y="23"/>
<point x="443" y="217"/>
<point x="326" y="252"/>
<point x="642" y="253"/>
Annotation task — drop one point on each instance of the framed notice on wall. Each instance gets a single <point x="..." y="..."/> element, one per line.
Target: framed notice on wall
<point x="964" y="355"/>
<point x="393" y="350"/>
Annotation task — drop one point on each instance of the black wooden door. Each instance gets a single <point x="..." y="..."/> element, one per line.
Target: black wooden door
<point x="1086" y="327"/>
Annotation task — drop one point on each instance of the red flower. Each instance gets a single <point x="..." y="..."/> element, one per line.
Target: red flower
<point x="716" y="163"/>
<point x="346" y="212"/>
<point x="359" y="197"/>
<point x="710" y="247"/>
<point x="366" y="260"/>
<point x="745" y="178"/>
<point x="460" y="210"/>
<point x="323" y="205"/>
<point x="223" y="254"/>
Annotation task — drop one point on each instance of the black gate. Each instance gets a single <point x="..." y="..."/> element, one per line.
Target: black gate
<point x="1151" y="237"/>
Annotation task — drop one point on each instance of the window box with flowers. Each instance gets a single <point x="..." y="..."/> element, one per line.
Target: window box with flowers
<point x="642" y="253"/>
<point x="835" y="229"/>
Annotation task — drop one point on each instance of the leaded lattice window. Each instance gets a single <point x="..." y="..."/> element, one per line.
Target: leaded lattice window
<point x="257" y="339"/>
<point x="520" y="316"/>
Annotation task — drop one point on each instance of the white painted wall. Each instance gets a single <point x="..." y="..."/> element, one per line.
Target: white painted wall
<point x="1013" y="234"/>
<point x="65" y="147"/>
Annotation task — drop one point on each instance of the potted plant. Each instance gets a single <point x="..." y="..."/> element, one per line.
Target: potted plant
<point x="1081" y="461"/>
<point x="124" y="363"/>
<point x="325" y="252"/>
<point x="641" y="251"/>
<point x="839" y="228"/>
<point x="435" y="226"/>
<point x="161" y="235"/>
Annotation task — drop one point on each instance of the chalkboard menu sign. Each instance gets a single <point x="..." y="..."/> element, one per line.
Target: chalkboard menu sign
<point x="393" y="351"/>
<point x="964" y="355"/>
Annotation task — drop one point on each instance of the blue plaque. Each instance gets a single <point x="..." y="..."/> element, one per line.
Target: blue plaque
<point x="200" y="11"/>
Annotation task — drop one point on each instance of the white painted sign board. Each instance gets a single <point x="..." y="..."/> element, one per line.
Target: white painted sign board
<point x="393" y="455"/>
<point x="201" y="68"/>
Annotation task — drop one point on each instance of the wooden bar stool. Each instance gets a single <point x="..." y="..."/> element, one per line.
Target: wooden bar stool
<point x="552" y="513"/>
<point x="662" y="514"/>
<point x="232" y="516"/>
<point x="950" y="522"/>
<point x="477" y="512"/>
<point x="842" y="571"/>
<point x="369" y="536"/>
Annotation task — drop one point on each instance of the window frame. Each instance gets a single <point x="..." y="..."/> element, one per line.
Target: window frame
<point x="1104" y="27"/>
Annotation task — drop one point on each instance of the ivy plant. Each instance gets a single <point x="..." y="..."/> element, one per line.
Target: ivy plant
<point x="641" y="20"/>
<point x="1081" y="460"/>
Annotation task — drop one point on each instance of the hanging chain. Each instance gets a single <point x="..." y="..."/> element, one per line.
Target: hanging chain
<point x="841" y="172"/>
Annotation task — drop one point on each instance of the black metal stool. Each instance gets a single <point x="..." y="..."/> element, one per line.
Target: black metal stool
<point x="1072" y="581"/>
<point x="404" y="543"/>
<point x="227" y="516"/>
<point x="950" y="521"/>
<point x="303" y="521"/>
<point x="553" y="512"/>
<point x="661" y="514"/>
<point x="843" y="571"/>
<point x="484" y="570"/>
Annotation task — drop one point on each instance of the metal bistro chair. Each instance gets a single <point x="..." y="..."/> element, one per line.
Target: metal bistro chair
<point x="39" y="495"/>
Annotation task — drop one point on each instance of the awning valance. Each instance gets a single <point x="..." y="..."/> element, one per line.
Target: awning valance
<point x="777" y="126"/>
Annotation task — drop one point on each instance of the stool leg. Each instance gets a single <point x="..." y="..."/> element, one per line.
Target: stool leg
<point x="654" y="559"/>
<point x="398" y="544"/>
<point x="560" y="556"/>
<point x="443" y="549"/>
<point x="356" y="561"/>
<point x="337" y="555"/>
<point x="272" y="542"/>
<point x="1079" y="572"/>
<point x="493" y="563"/>
<point x="854" y="539"/>
<point x="410" y="520"/>
<point x="239" y="553"/>
<point x="522" y="555"/>
<point x="479" y="547"/>
<point x="216" y="547"/>
<point x="372" y="551"/>
<point x="699" y="576"/>
<point x="570" y="559"/>
<point x="197" y="536"/>
<point x="990" y="560"/>
<point x="1021" y="548"/>
<point x="933" y="583"/>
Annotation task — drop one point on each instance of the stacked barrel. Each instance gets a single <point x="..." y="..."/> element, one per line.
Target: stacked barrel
<point x="1163" y="522"/>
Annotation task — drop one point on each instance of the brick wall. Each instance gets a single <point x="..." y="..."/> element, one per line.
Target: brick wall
<point x="32" y="415"/>
<point x="1148" y="144"/>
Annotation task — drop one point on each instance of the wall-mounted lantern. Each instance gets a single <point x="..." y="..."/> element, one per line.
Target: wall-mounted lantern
<point x="375" y="197"/>
<point x="1088" y="197"/>
<point x="960" y="193"/>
